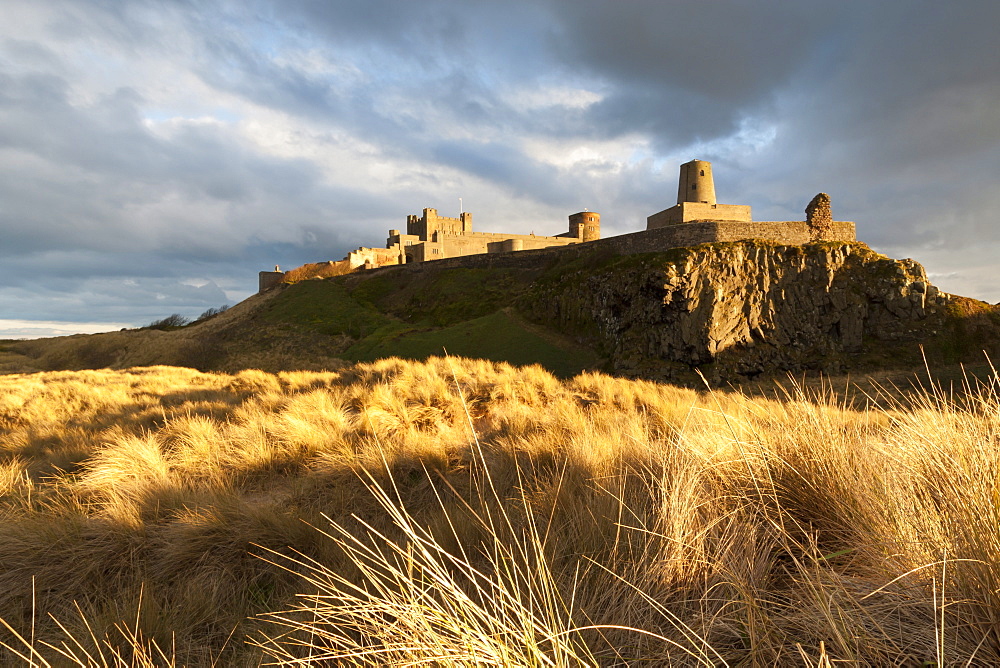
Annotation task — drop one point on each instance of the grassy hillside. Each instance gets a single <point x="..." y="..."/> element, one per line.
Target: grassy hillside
<point x="417" y="315"/>
<point x="322" y="324"/>
<point x="478" y="514"/>
<point x="230" y="341"/>
<point x="569" y="312"/>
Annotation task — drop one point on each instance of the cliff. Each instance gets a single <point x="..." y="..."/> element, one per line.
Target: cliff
<point x="741" y="309"/>
<point x="729" y="311"/>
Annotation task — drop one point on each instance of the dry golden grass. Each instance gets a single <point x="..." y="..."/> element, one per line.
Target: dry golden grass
<point x="460" y="512"/>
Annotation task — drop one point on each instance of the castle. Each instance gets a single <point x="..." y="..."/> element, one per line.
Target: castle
<point x="433" y="237"/>
<point x="697" y="218"/>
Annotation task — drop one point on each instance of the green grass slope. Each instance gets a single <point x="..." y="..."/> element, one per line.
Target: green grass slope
<point x="499" y="337"/>
<point x="321" y="324"/>
<point x="415" y="315"/>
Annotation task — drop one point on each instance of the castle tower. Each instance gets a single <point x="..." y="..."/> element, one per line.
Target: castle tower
<point x="430" y="226"/>
<point x="696" y="183"/>
<point x="585" y="226"/>
<point x="268" y="279"/>
<point x="696" y="200"/>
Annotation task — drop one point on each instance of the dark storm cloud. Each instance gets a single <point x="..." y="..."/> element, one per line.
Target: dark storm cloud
<point x="685" y="71"/>
<point x="679" y="75"/>
<point x="903" y="119"/>
<point x="729" y="51"/>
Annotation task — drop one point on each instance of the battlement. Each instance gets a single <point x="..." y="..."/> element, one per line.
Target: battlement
<point x="427" y="225"/>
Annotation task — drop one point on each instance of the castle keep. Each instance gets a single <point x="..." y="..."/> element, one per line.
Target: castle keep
<point x="696" y="200"/>
<point x="697" y="218"/>
<point x="434" y="237"/>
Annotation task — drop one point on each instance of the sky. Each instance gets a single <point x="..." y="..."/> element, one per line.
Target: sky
<point x="154" y="156"/>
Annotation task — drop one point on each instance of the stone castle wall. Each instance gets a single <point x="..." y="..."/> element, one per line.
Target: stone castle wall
<point x="425" y="225"/>
<point x="503" y="252"/>
<point x="818" y="216"/>
<point x="790" y="233"/>
<point x="696" y="219"/>
<point x="687" y="212"/>
<point x="476" y="243"/>
<point x="268" y="279"/>
<point x="433" y="237"/>
<point x="376" y="257"/>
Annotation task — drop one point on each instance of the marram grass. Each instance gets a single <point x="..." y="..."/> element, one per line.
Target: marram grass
<point x="462" y="513"/>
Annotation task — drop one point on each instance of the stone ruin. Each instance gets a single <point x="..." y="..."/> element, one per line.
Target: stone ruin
<point x="819" y="218"/>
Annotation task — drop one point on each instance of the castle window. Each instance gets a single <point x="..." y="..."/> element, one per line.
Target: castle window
<point x="694" y="186"/>
<point x="703" y="172"/>
<point x="434" y="251"/>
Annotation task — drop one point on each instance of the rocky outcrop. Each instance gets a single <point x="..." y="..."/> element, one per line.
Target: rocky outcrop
<point x="740" y="309"/>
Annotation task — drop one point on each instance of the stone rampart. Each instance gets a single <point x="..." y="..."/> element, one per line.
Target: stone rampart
<point x="791" y="233"/>
<point x="687" y="212"/>
<point x="375" y="257"/>
<point x="268" y="279"/>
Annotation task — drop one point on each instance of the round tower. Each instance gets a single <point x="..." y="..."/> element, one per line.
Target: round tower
<point x="592" y="226"/>
<point x="585" y="226"/>
<point x="696" y="184"/>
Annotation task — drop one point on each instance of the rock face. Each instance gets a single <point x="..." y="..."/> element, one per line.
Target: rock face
<point x="740" y="309"/>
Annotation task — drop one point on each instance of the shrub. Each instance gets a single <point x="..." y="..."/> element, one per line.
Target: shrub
<point x="215" y="310"/>
<point x="171" y="321"/>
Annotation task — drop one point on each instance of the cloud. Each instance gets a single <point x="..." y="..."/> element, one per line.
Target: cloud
<point x="37" y="329"/>
<point x="150" y="147"/>
<point x="76" y="285"/>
